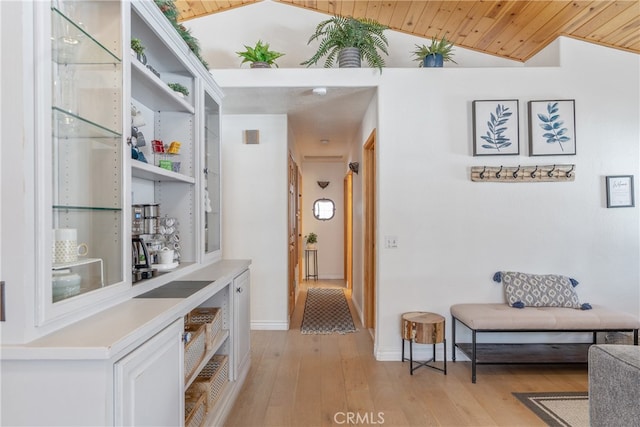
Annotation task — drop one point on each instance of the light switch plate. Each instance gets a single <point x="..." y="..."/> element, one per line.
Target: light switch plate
<point x="390" y="242"/>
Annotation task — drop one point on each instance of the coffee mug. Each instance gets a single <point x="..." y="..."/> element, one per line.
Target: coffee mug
<point x="65" y="246"/>
<point x="165" y="256"/>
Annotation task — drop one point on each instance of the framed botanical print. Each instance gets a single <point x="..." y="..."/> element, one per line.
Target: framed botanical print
<point x="495" y="128"/>
<point x="552" y="128"/>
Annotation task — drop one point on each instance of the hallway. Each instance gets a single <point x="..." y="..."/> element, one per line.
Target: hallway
<point x="320" y="380"/>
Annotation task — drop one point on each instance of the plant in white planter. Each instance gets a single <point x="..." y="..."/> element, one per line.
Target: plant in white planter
<point x="177" y="87"/>
<point x="311" y="240"/>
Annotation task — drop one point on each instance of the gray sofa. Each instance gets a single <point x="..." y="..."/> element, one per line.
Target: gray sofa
<point x="614" y="385"/>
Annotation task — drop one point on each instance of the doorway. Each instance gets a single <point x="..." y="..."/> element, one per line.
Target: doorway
<point x="369" y="178"/>
<point x="348" y="230"/>
<point x="292" y="231"/>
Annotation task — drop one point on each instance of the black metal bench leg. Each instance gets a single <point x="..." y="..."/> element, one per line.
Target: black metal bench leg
<point x="453" y="338"/>
<point x="635" y="337"/>
<point x="473" y="357"/>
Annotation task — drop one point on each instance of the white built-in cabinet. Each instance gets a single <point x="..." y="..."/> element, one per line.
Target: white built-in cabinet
<point x="101" y="350"/>
<point x="148" y="388"/>
<point x="242" y="343"/>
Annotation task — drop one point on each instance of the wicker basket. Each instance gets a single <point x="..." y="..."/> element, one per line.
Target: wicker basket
<point x="195" y="408"/>
<point x="209" y="316"/>
<point x="193" y="350"/>
<point x="212" y="378"/>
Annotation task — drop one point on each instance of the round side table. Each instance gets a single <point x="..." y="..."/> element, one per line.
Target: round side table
<point x="423" y="328"/>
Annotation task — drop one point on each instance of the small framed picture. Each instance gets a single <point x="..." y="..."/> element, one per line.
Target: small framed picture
<point x="620" y="191"/>
<point x="552" y="128"/>
<point x="495" y="128"/>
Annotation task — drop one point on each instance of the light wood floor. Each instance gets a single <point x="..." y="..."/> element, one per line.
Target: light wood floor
<point x="317" y="380"/>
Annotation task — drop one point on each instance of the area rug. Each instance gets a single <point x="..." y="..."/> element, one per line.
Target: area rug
<point x="561" y="409"/>
<point x="326" y="311"/>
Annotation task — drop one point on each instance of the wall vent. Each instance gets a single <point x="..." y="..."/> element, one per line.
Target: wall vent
<point x="252" y="136"/>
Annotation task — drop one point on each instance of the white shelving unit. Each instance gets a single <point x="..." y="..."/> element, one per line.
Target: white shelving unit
<point x="107" y="340"/>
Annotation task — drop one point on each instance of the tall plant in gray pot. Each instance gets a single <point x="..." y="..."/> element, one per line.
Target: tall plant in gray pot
<point x="349" y="40"/>
<point x="436" y="54"/>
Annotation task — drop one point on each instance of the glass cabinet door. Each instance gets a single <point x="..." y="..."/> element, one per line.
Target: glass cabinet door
<point x="86" y="147"/>
<point x="212" y="175"/>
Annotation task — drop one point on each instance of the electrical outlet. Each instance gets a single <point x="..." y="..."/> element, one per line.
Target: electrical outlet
<point x="390" y="242"/>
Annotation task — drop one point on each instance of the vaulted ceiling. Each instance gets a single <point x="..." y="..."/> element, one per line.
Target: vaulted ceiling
<point x="514" y="29"/>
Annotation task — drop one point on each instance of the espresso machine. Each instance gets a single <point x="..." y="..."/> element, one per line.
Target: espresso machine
<point x="141" y="261"/>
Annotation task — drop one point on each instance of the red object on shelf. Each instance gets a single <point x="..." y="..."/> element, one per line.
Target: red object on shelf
<point x="157" y="146"/>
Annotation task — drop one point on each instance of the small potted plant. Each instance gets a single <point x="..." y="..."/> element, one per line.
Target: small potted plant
<point x="178" y="88"/>
<point x="436" y="54"/>
<point x="310" y="240"/>
<point x="259" y="56"/>
<point x="138" y="48"/>
<point x="350" y="40"/>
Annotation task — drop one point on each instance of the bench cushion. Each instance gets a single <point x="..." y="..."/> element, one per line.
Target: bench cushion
<point x="502" y="317"/>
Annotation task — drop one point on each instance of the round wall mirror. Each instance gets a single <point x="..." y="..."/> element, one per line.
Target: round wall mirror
<point x="324" y="209"/>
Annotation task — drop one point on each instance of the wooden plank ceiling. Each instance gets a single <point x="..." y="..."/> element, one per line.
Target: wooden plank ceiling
<point x="514" y="29"/>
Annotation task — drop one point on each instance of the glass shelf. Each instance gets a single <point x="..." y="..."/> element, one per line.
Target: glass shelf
<point x="86" y="208"/>
<point x="80" y="261"/>
<point x="69" y="125"/>
<point x="72" y="44"/>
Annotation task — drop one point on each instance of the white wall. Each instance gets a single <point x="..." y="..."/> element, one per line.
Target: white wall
<point x="330" y="233"/>
<point x="254" y="199"/>
<point x="454" y="234"/>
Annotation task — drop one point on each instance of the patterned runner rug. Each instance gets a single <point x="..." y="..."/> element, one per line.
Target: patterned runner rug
<point x="326" y="311"/>
<point x="565" y="409"/>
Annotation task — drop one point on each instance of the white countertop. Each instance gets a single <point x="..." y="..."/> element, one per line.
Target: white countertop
<point x="110" y="332"/>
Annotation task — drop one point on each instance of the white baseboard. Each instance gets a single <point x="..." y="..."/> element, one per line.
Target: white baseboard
<point x="270" y="326"/>
<point x="358" y="310"/>
<point x="420" y="352"/>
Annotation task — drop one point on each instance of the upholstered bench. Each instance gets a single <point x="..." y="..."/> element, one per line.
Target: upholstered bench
<point x="496" y="318"/>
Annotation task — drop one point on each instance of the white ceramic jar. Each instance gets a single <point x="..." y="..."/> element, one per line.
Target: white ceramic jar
<point x="65" y="284"/>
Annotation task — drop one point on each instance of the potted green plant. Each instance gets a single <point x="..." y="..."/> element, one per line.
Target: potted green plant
<point x="170" y="11"/>
<point x="177" y="87"/>
<point x="436" y="54"/>
<point x="349" y="40"/>
<point x="138" y="48"/>
<point x="310" y="240"/>
<point x="259" y="56"/>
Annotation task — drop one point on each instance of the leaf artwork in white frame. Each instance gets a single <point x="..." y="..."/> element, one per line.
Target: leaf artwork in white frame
<point x="495" y="128"/>
<point x="552" y="129"/>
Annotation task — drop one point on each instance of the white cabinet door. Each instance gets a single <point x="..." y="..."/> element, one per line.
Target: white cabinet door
<point x="242" y="322"/>
<point x="149" y="382"/>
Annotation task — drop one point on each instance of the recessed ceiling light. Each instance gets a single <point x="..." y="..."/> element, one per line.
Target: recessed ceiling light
<point x="321" y="91"/>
